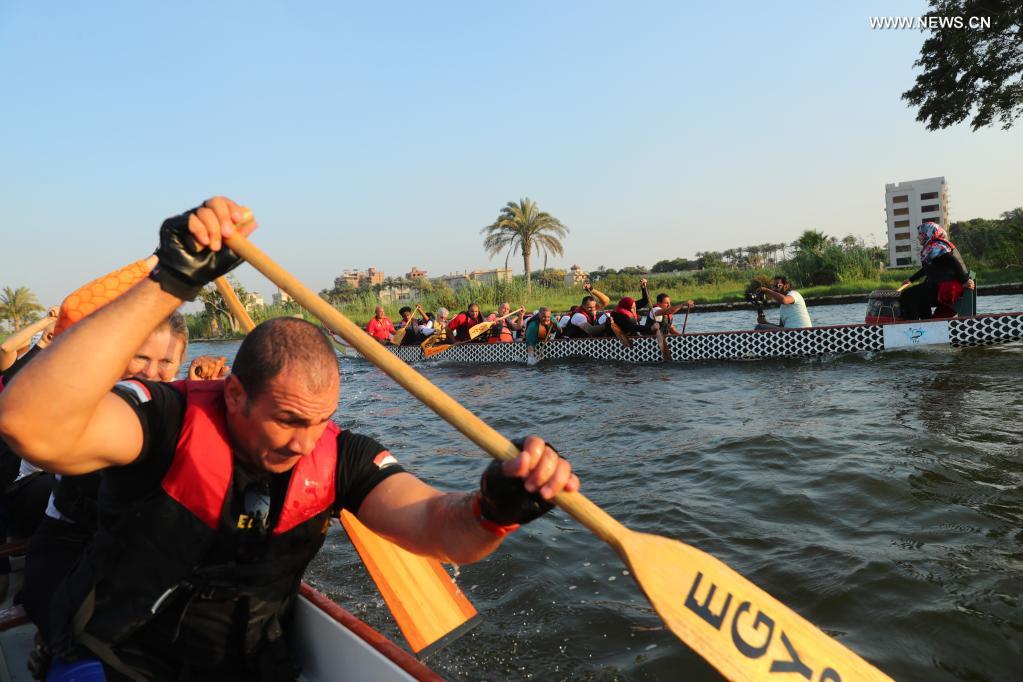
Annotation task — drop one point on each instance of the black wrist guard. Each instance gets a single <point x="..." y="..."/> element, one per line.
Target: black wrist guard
<point x="504" y="500"/>
<point x="185" y="266"/>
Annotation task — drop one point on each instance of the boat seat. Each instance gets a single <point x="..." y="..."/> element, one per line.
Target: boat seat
<point x="966" y="306"/>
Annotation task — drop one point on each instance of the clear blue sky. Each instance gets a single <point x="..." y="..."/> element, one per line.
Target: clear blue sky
<point x="388" y="134"/>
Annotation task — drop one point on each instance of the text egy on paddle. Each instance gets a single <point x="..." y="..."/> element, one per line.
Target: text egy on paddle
<point x="753" y="633"/>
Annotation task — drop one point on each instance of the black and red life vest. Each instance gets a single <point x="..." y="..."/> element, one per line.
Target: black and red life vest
<point x="179" y="564"/>
<point x="574" y="332"/>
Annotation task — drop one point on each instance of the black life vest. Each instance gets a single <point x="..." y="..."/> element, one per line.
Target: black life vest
<point x="177" y="568"/>
<point x="665" y="321"/>
<point x="574" y="332"/>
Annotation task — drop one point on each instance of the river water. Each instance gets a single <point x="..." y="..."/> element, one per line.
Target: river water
<point x="878" y="495"/>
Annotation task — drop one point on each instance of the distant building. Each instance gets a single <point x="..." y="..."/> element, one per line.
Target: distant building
<point x="396" y="294"/>
<point x="282" y="298"/>
<point x="459" y="280"/>
<point x="356" y="279"/>
<point x="908" y="204"/>
<point x="575" y="276"/>
<point x="253" y="300"/>
<point x="415" y="274"/>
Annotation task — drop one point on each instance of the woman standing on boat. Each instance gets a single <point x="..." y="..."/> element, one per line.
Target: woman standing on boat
<point x="946" y="276"/>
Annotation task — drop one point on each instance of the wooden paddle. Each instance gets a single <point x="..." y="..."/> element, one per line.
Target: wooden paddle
<point x="685" y="320"/>
<point x="741" y="630"/>
<point x="483" y="327"/>
<point x="425" y="602"/>
<point x="399" y="335"/>
<point x="626" y="341"/>
<point x="662" y="341"/>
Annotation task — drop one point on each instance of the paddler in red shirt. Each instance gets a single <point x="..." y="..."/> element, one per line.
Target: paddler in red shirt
<point x="458" y="328"/>
<point x="380" y="327"/>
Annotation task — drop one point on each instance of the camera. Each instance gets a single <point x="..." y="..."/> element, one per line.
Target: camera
<point x="757" y="298"/>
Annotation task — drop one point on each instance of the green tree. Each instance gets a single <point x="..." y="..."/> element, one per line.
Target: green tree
<point x="19" y="306"/>
<point x="216" y="307"/>
<point x="812" y="241"/>
<point x="524" y="228"/>
<point x="971" y="70"/>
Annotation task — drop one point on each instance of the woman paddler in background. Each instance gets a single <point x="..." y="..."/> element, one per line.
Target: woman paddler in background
<point x="17" y="348"/>
<point x="946" y="277"/>
<point x="627" y="318"/>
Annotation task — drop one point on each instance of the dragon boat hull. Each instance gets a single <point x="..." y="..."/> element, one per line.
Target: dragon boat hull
<point x="975" y="330"/>
<point x="328" y="641"/>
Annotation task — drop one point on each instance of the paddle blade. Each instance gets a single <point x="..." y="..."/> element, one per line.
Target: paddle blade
<point x="399" y="336"/>
<point x="626" y="341"/>
<point x="737" y="627"/>
<point x="480" y="328"/>
<point x="425" y="602"/>
<point x="662" y="341"/>
<point x="435" y="350"/>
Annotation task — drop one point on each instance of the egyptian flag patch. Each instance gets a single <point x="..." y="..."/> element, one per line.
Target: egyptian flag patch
<point x="135" y="389"/>
<point x="384" y="460"/>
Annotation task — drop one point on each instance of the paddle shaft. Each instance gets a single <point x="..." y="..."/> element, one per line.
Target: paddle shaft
<point x="472" y="427"/>
<point x="234" y="304"/>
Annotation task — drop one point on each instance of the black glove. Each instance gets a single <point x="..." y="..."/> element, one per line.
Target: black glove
<point x="186" y="266"/>
<point x="505" y="501"/>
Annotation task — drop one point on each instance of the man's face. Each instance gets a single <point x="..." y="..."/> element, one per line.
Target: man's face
<point x="158" y="359"/>
<point x="379" y="313"/>
<point x="474" y="310"/>
<point x="406" y="316"/>
<point x="545" y="317"/>
<point x="442" y="320"/>
<point x="503" y="309"/>
<point x="591" y="307"/>
<point x="275" y="429"/>
<point x="666" y="303"/>
<point x="780" y="286"/>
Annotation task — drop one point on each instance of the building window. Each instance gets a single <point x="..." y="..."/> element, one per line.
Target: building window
<point x="931" y="219"/>
<point x="901" y="211"/>
<point x="901" y="236"/>
<point x="903" y="248"/>
<point x="903" y="261"/>
<point x="901" y="223"/>
<point x="929" y="208"/>
<point x="928" y="195"/>
<point x="900" y="200"/>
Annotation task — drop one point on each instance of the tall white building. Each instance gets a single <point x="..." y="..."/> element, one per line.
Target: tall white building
<point x="907" y="205"/>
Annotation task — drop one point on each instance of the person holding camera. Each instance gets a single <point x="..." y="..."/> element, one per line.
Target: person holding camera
<point x="793" y="307"/>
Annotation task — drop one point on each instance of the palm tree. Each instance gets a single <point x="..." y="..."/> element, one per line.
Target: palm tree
<point x="18" y="306"/>
<point x="811" y="240"/>
<point x="523" y="227"/>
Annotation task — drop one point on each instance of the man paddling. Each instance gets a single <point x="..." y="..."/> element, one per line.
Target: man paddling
<point x="218" y="493"/>
<point x="380" y="327"/>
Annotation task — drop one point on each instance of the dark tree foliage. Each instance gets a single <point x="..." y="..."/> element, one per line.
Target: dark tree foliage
<point x="968" y="70"/>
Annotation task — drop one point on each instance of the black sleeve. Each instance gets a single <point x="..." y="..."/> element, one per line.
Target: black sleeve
<point x="626" y="324"/>
<point x="362" y="463"/>
<point x="957" y="266"/>
<point x="161" y="410"/>
<point x="645" y="301"/>
<point x="917" y="275"/>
